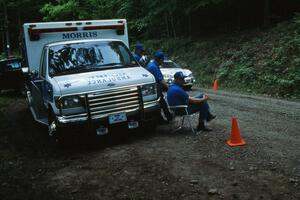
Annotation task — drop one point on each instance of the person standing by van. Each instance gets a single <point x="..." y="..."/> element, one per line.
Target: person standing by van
<point x="139" y="54"/>
<point x="153" y="68"/>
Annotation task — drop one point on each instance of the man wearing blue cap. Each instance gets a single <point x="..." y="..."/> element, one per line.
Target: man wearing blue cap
<point x="153" y="68"/>
<point x="139" y="51"/>
<point x="177" y="96"/>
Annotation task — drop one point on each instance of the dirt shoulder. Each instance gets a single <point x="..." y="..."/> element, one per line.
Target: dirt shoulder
<point x="161" y="164"/>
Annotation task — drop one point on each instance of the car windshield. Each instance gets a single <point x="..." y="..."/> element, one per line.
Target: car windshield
<point x="170" y="65"/>
<point x="10" y="64"/>
<point x="14" y="65"/>
<point x="89" y="56"/>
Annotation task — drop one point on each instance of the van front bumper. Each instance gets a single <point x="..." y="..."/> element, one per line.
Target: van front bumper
<point x="149" y="112"/>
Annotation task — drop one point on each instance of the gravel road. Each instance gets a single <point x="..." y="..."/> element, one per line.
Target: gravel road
<point x="158" y="165"/>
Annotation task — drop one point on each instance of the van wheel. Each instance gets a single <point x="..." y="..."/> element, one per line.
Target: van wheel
<point x="60" y="134"/>
<point x="28" y="98"/>
<point x="52" y="128"/>
<point x="53" y="131"/>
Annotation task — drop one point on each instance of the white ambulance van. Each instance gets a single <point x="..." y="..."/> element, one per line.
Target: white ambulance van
<point x="81" y="73"/>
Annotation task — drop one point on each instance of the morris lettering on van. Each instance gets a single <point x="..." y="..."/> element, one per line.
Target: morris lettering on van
<point x="79" y="35"/>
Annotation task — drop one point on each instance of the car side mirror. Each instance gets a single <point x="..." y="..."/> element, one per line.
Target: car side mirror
<point x="34" y="74"/>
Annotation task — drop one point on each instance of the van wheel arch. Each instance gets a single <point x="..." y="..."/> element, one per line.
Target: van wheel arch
<point x="51" y="121"/>
<point x="50" y="113"/>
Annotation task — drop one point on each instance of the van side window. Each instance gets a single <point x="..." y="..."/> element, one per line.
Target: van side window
<point x="44" y="64"/>
<point x="125" y="56"/>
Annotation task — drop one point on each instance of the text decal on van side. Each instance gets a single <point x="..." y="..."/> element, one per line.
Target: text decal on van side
<point x="102" y="79"/>
<point x="78" y="35"/>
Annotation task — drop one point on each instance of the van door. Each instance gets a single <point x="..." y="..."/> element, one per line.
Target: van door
<point x="38" y="90"/>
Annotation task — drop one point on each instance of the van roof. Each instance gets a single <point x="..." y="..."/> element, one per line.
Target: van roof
<point x="81" y="41"/>
<point x="75" y="22"/>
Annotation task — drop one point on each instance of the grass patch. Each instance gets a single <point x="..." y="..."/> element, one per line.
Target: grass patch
<point x="8" y="97"/>
<point x="4" y="101"/>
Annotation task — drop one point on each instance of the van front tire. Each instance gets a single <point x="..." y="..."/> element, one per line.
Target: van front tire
<point x="52" y="126"/>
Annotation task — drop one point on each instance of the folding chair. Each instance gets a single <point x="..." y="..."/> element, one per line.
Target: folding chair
<point x="182" y="111"/>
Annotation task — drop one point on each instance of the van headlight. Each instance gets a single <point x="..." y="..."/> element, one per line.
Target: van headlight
<point x="149" y="92"/>
<point x="69" y="102"/>
<point x="170" y="81"/>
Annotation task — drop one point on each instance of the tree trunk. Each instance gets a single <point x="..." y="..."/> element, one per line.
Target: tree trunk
<point x="6" y="30"/>
<point x="172" y="24"/>
<point x="239" y="16"/>
<point x="19" y="16"/>
<point x="167" y="24"/>
<point x="20" y="31"/>
<point x="2" y="41"/>
<point x="190" y="25"/>
<point x="266" y="13"/>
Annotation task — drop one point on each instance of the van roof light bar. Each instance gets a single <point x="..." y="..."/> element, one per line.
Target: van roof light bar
<point x="34" y="34"/>
<point x="118" y="27"/>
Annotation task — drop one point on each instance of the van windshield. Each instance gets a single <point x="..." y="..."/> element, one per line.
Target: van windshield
<point x="170" y="65"/>
<point x="89" y="56"/>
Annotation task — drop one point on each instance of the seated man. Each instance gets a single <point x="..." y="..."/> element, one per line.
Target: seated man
<point x="177" y="96"/>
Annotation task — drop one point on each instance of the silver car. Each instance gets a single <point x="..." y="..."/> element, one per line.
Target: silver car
<point x="169" y="68"/>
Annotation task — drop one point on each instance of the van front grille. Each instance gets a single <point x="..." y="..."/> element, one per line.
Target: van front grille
<point x="104" y="103"/>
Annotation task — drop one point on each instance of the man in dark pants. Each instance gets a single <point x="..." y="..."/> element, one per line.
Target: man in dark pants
<point x="153" y="68"/>
<point x="177" y="96"/>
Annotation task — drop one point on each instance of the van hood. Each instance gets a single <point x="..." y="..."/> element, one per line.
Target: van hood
<point x="106" y="79"/>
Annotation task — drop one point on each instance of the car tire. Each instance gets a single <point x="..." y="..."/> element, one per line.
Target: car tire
<point x="188" y="87"/>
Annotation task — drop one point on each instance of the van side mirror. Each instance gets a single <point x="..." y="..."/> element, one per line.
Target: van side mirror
<point x="33" y="74"/>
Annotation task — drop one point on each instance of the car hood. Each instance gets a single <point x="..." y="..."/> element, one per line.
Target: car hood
<point x="106" y="79"/>
<point x="172" y="71"/>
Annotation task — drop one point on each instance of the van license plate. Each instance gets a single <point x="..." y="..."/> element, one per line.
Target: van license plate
<point x="117" y="118"/>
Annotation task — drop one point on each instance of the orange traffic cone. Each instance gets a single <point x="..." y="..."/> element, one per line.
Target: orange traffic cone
<point x="216" y="85"/>
<point x="235" y="137"/>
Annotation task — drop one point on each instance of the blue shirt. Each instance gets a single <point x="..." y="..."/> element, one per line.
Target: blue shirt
<point x="137" y="57"/>
<point x="153" y="68"/>
<point x="177" y="95"/>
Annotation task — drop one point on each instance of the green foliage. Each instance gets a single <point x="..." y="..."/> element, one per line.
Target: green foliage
<point x="225" y="70"/>
<point x="145" y="17"/>
<point x="196" y="4"/>
<point x="4" y="101"/>
<point x="2" y="55"/>
<point x="65" y="9"/>
<point x="262" y="62"/>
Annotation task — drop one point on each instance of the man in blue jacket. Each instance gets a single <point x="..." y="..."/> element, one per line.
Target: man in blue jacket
<point x="138" y="54"/>
<point x="177" y="96"/>
<point x="153" y="68"/>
